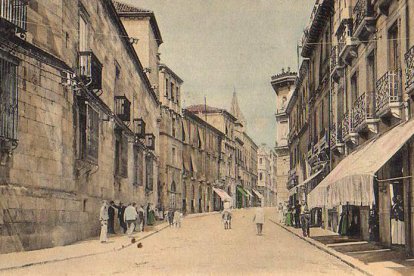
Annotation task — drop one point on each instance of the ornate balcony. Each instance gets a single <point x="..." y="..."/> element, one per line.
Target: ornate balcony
<point x="319" y="17"/>
<point x="349" y="134"/>
<point x="388" y="97"/>
<point x="90" y="70"/>
<point x="347" y="44"/>
<point x="336" y="64"/>
<point x="363" y="115"/>
<point x="335" y="139"/>
<point x="13" y="15"/>
<point x="364" y="19"/>
<point x="409" y="71"/>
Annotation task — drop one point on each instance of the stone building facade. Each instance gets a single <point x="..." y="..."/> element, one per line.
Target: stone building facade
<point x="283" y="85"/>
<point x="171" y="140"/>
<point x="266" y="180"/>
<point x="356" y="78"/>
<point x="201" y="163"/>
<point x="74" y="95"/>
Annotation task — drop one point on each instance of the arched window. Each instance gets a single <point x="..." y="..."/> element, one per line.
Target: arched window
<point x="173" y="187"/>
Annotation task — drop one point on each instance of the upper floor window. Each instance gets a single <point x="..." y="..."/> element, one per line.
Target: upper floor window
<point x="177" y="94"/>
<point x="173" y="126"/>
<point x="138" y="166"/>
<point x="166" y="87"/>
<point x="172" y="92"/>
<point x="88" y="132"/>
<point x="121" y="154"/>
<point x="83" y="34"/>
<point x="149" y="171"/>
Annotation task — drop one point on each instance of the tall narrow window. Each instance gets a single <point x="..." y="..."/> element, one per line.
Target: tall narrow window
<point x="8" y="100"/>
<point x="354" y="88"/>
<point x="138" y="165"/>
<point x="121" y="154"/>
<point x="88" y="132"/>
<point x="83" y="34"/>
<point x="173" y="127"/>
<point x="166" y="87"/>
<point x="172" y="92"/>
<point x="394" y="49"/>
<point x="149" y="172"/>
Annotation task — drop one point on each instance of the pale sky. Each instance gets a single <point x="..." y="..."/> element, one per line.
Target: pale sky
<point x="215" y="45"/>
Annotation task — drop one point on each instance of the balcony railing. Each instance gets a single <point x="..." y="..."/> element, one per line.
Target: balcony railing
<point x="347" y="127"/>
<point x="363" y="18"/>
<point x="409" y="70"/>
<point x="123" y="108"/>
<point x="90" y="70"/>
<point x="14" y="13"/>
<point x="336" y="134"/>
<point x="388" y="91"/>
<point x="362" y="110"/>
<point x="334" y="57"/>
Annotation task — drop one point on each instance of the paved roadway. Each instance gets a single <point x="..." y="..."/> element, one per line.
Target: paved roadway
<point x="203" y="247"/>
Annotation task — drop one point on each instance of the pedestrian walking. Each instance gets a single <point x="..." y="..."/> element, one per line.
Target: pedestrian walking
<point x="226" y="218"/>
<point x="170" y="217"/>
<point x="111" y="220"/>
<point x="289" y="216"/>
<point x="297" y="214"/>
<point x="141" y="218"/>
<point x="305" y="219"/>
<point x="103" y="218"/>
<point x="121" y="210"/>
<point x="280" y="212"/>
<point x="259" y="219"/>
<point x="177" y="218"/>
<point x="130" y="216"/>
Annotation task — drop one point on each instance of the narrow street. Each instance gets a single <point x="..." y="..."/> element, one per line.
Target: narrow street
<point x="208" y="249"/>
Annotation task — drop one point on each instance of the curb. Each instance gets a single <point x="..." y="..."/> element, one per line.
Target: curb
<point x="326" y="249"/>
<point x="84" y="255"/>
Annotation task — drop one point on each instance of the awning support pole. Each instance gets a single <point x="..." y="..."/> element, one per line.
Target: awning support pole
<point x="395" y="178"/>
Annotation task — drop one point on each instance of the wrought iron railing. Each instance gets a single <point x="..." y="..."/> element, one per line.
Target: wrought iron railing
<point x="346" y="124"/>
<point x="360" y="12"/>
<point x="409" y="69"/>
<point x="362" y="109"/>
<point x="90" y="69"/>
<point x="334" y="57"/>
<point x="14" y="12"/>
<point x="388" y="91"/>
<point x="334" y="134"/>
<point x="8" y="101"/>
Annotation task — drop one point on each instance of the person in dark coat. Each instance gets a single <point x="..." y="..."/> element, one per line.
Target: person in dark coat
<point x="111" y="215"/>
<point x="121" y="211"/>
<point x="297" y="214"/>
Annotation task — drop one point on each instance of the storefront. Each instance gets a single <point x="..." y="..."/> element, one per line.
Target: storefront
<point x="366" y="189"/>
<point x="220" y="197"/>
<point x="242" y="197"/>
<point x="258" y="199"/>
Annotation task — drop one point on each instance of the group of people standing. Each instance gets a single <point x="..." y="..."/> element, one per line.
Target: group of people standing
<point x="297" y="215"/>
<point x="174" y="218"/>
<point x="131" y="218"/>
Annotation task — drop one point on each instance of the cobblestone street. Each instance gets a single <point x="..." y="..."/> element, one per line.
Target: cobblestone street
<point x="211" y="249"/>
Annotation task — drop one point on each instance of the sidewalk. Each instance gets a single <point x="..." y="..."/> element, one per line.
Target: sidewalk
<point x="369" y="258"/>
<point x="90" y="247"/>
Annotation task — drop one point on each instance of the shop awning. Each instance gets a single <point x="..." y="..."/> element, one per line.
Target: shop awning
<point x="222" y="194"/>
<point x="352" y="180"/>
<point x="248" y="192"/>
<point x="242" y="191"/>
<point x="259" y="195"/>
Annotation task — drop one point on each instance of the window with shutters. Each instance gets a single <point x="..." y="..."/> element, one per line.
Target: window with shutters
<point x="121" y="154"/>
<point x="88" y="132"/>
<point x="8" y="102"/>
<point x="149" y="169"/>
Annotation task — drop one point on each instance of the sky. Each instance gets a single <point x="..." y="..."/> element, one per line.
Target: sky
<point x="218" y="46"/>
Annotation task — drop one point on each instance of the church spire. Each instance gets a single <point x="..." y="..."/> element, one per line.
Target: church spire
<point x="235" y="109"/>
